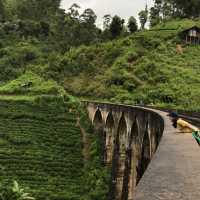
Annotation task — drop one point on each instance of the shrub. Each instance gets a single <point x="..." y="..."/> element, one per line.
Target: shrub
<point x="13" y="192"/>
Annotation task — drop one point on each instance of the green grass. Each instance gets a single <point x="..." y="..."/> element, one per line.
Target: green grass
<point x="31" y="84"/>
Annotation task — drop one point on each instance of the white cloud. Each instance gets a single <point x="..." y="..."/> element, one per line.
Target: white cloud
<point x="123" y="8"/>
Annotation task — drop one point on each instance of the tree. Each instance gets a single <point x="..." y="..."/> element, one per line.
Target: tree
<point x="165" y="9"/>
<point x="2" y="11"/>
<point x="88" y="30"/>
<point x="143" y="17"/>
<point x="39" y="10"/>
<point x="89" y="17"/>
<point x="188" y="8"/>
<point x="106" y="21"/>
<point x="116" y="26"/>
<point x="106" y="33"/>
<point x="74" y="11"/>
<point x="168" y="9"/>
<point x="154" y="17"/>
<point x="132" y="24"/>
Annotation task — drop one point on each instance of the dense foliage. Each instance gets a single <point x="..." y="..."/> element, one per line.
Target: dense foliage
<point x="122" y="70"/>
<point x="169" y="9"/>
<point x="146" y="67"/>
<point x="45" y="20"/>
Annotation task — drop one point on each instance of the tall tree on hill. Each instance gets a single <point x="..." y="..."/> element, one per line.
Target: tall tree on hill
<point x="166" y="9"/>
<point x="163" y="10"/>
<point x="156" y="12"/>
<point x="89" y="31"/>
<point x="33" y="9"/>
<point x="106" y="21"/>
<point x="154" y="17"/>
<point x="79" y="28"/>
<point x="158" y="5"/>
<point x="132" y="24"/>
<point x="116" y="26"/>
<point x="189" y="8"/>
<point x="89" y="17"/>
<point x="106" y="34"/>
<point x="2" y="10"/>
<point x="143" y="17"/>
<point x="74" y="11"/>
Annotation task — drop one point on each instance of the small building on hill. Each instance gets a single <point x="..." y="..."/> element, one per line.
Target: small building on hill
<point x="191" y="35"/>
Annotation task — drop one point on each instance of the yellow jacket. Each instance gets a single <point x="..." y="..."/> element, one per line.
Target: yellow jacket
<point x="186" y="127"/>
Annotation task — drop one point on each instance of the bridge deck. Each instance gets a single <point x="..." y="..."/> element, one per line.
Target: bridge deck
<point x="174" y="172"/>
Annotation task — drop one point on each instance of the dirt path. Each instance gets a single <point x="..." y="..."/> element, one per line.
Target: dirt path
<point x="85" y="140"/>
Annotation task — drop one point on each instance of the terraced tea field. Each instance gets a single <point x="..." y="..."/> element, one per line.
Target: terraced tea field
<point x="40" y="147"/>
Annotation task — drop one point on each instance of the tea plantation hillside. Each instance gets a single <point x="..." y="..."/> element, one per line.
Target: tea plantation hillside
<point x="153" y="67"/>
<point x="41" y="144"/>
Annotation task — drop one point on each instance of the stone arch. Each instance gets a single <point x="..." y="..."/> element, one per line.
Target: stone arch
<point x="145" y="157"/>
<point x="121" y="156"/>
<point x="122" y="133"/>
<point x="98" y="120"/>
<point x="99" y="130"/>
<point x="134" y="132"/>
<point x="109" y="143"/>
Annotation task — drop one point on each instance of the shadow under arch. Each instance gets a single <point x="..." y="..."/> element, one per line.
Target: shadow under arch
<point x="145" y="157"/>
<point x="109" y="143"/>
<point x="98" y="120"/>
<point x="156" y="128"/>
<point x="99" y="130"/>
<point x="130" y="175"/>
<point x="120" y="157"/>
<point x="159" y="132"/>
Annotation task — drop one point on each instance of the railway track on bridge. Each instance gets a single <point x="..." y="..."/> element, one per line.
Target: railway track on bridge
<point x="191" y="117"/>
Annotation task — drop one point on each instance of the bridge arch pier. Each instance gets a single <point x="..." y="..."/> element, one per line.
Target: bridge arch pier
<point x="130" y="138"/>
<point x="110" y="135"/>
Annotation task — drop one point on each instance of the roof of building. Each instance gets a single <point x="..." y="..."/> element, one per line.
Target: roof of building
<point x="194" y="27"/>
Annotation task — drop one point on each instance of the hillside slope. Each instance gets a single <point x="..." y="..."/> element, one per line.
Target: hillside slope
<point x="146" y="67"/>
<point x="41" y="145"/>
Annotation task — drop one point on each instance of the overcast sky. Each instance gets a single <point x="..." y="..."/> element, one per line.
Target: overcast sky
<point x="123" y="8"/>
